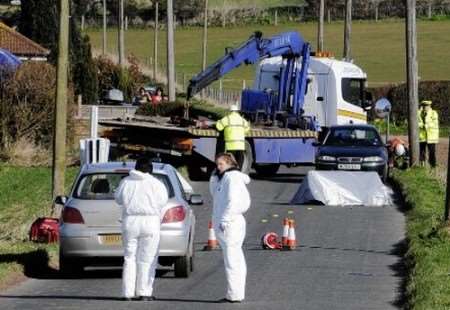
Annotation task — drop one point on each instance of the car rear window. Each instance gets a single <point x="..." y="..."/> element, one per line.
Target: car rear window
<point x="102" y="186"/>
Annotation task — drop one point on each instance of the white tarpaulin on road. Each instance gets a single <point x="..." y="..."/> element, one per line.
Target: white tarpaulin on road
<point x="343" y="188"/>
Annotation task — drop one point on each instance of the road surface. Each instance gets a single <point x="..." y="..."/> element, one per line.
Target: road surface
<point x="347" y="259"/>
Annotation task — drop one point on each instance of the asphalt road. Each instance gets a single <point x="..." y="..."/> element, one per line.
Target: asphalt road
<point x="347" y="259"/>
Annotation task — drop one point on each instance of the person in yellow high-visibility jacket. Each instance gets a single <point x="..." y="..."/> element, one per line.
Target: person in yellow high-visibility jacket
<point x="428" y="120"/>
<point x="234" y="128"/>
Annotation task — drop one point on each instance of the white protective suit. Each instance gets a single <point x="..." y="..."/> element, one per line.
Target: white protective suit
<point x="142" y="198"/>
<point x="231" y="200"/>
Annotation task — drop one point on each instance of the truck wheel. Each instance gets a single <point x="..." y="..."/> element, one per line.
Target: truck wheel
<point x="182" y="266"/>
<point x="70" y="267"/>
<point x="266" y="170"/>
<point x="248" y="158"/>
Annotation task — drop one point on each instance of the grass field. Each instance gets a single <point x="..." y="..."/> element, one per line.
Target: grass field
<point x="427" y="263"/>
<point x="25" y="194"/>
<point x="377" y="47"/>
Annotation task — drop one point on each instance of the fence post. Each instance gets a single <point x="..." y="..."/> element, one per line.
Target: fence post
<point x="221" y="91"/>
<point x="447" y="194"/>
<point x="79" y="105"/>
<point x="184" y="81"/>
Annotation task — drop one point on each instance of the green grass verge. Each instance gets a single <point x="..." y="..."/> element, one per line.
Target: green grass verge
<point x="402" y="129"/>
<point x="428" y="255"/>
<point x="25" y="194"/>
<point x="379" y="48"/>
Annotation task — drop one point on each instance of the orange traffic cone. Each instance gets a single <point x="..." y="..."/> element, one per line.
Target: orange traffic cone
<point x="212" y="241"/>
<point x="291" y="242"/>
<point x="284" y="238"/>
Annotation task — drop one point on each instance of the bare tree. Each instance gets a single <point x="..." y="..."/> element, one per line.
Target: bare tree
<point x="155" y="41"/>
<point x="59" y="139"/>
<point x="170" y="52"/>
<point x="121" y="39"/>
<point x="348" y="30"/>
<point x="412" y="80"/>
<point x="104" y="28"/>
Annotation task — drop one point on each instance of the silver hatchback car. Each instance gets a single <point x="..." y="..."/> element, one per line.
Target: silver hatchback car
<point x="90" y="226"/>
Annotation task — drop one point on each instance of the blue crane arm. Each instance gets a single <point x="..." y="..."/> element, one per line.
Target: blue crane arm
<point x="288" y="45"/>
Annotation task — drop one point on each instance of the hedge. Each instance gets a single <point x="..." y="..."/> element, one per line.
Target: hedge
<point x="437" y="91"/>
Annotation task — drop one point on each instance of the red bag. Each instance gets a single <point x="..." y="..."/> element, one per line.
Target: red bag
<point x="45" y="230"/>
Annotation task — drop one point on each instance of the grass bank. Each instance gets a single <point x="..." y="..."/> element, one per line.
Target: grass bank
<point x="25" y="194"/>
<point x="428" y="255"/>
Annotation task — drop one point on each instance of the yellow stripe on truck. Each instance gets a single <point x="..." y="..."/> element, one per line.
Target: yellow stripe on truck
<point x="352" y="114"/>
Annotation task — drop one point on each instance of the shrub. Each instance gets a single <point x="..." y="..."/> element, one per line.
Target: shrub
<point x="111" y="75"/>
<point x="28" y="104"/>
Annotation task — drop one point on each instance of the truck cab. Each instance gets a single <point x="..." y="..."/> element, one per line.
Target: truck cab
<point x="335" y="93"/>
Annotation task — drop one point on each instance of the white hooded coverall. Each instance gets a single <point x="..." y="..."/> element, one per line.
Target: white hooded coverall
<point x="142" y="198"/>
<point x="231" y="200"/>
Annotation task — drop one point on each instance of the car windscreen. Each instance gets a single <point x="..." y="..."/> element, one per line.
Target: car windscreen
<point x="102" y="186"/>
<point x="353" y="137"/>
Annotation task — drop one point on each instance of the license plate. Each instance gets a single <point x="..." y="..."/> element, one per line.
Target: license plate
<point x="349" y="166"/>
<point x="111" y="239"/>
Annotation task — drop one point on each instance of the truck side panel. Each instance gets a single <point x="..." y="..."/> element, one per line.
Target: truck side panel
<point x="284" y="151"/>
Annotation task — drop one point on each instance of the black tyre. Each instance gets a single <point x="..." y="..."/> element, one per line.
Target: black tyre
<point x="266" y="170"/>
<point x="248" y="158"/>
<point x="183" y="266"/>
<point x="385" y="174"/>
<point x="70" y="267"/>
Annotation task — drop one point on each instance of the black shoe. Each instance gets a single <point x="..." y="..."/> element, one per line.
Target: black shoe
<point x="146" y="298"/>
<point x="126" y="299"/>
<point x="226" y="300"/>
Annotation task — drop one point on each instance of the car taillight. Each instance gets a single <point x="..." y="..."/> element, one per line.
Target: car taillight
<point x="72" y="216"/>
<point x="175" y="214"/>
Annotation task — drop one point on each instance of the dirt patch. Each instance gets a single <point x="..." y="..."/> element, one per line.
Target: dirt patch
<point x="13" y="279"/>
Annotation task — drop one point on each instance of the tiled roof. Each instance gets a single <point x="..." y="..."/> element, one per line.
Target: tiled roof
<point x="18" y="44"/>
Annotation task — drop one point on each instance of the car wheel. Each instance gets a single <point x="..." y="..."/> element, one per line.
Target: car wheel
<point x="182" y="266"/>
<point x="70" y="266"/>
<point x="385" y="174"/>
<point x="248" y="158"/>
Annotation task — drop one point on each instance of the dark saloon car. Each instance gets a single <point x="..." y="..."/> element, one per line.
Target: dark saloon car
<point x="355" y="148"/>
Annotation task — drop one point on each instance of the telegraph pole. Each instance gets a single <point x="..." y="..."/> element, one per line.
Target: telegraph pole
<point x="104" y="27"/>
<point x="170" y="52"/>
<point x="347" y="30"/>
<point x="412" y="80"/>
<point x="205" y="36"/>
<point x="121" y="39"/>
<point x="59" y="137"/>
<point x="155" y="41"/>
<point x="320" y="30"/>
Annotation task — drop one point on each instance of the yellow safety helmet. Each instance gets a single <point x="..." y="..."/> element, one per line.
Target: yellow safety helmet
<point x="426" y="102"/>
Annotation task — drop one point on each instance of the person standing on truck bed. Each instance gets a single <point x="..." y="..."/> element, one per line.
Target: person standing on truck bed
<point x="234" y="128"/>
<point x="428" y="120"/>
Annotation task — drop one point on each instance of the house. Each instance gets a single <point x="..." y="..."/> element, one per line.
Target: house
<point x="21" y="46"/>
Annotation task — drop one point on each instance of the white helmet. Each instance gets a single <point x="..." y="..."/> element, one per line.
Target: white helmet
<point x="400" y="150"/>
<point x="234" y="107"/>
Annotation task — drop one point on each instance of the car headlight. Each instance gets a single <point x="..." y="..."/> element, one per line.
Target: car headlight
<point x="326" y="158"/>
<point x="373" y="159"/>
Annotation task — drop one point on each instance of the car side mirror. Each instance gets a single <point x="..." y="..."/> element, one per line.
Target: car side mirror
<point x="196" y="200"/>
<point x="61" y="200"/>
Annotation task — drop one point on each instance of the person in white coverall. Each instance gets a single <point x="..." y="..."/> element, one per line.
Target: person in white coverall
<point x="231" y="200"/>
<point x="141" y="197"/>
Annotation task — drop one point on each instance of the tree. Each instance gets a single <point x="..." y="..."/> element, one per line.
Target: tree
<point x="39" y="22"/>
